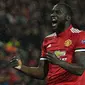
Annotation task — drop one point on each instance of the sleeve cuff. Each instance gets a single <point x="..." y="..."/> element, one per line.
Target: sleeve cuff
<point x="80" y="50"/>
<point x="43" y="58"/>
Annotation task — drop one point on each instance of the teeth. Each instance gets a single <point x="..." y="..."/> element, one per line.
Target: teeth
<point x="54" y="21"/>
<point x="53" y="24"/>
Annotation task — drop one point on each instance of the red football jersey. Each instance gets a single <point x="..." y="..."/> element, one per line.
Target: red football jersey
<point x="64" y="46"/>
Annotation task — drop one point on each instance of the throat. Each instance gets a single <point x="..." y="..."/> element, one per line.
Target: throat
<point x="60" y="28"/>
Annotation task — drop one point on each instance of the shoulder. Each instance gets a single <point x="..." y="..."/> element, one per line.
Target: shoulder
<point x="82" y="34"/>
<point x="79" y="34"/>
<point x="51" y="35"/>
<point x="75" y="30"/>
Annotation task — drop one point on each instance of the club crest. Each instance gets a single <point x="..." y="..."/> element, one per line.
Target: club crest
<point x="68" y="43"/>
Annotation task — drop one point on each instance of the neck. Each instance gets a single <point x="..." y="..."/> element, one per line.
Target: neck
<point x="62" y="27"/>
<point x="67" y="24"/>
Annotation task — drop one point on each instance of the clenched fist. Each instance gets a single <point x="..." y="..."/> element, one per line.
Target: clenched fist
<point x="16" y="62"/>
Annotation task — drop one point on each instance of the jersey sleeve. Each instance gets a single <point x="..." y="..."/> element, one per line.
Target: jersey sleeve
<point x="80" y="46"/>
<point x="43" y="52"/>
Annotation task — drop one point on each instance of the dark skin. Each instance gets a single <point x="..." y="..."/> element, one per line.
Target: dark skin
<point x="75" y="68"/>
<point x="59" y="16"/>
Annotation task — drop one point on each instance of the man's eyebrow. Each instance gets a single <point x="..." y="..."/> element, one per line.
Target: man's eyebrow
<point x="55" y="10"/>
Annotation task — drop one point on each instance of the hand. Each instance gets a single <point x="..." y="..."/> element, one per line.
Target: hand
<point x="51" y="57"/>
<point x="16" y="62"/>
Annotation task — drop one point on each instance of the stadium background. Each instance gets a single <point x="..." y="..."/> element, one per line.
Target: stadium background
<point x="23" y="25"/>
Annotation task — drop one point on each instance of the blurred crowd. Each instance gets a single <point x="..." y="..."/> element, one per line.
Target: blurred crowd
<point x="23" y="25"/>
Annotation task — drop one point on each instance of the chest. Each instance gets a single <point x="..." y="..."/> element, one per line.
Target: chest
<point x="62" y="47"/>
<point x="59" y="43"/>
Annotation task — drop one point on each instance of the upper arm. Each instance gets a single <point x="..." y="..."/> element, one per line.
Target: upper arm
<point x="79" y="56"/>
<point x="79" y="59"/>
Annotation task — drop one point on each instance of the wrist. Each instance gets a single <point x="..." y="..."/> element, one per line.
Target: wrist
<point x="19" y="64"/>
<point x="18" y="67"/>
<point x="58" y="61"/>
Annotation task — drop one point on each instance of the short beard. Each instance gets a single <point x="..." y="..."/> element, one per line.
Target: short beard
<point x="60" y="28"/>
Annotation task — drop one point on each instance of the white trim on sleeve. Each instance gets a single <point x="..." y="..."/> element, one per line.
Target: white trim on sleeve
<point x="79" y="50"/>
<point x="43" y="58"/>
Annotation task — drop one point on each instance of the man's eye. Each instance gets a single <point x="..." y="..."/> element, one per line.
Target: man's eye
<point x="57" y="12"/>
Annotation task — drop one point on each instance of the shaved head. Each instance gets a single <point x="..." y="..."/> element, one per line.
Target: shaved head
<point x="65" y="6"/>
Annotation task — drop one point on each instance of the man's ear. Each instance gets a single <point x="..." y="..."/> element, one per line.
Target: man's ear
<point x="68" y="17"/>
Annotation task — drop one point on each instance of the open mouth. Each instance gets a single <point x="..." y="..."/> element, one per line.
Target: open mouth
<point x="54" y="21"/>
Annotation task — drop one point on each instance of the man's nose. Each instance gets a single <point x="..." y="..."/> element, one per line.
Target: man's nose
<point x="52" y="15"/>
